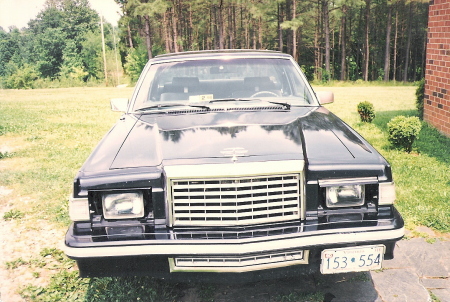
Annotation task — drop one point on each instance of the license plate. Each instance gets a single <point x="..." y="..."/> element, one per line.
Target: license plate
<point x="352" y="259"/>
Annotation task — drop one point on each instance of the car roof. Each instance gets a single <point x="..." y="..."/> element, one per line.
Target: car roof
<point x="206" y="54"/>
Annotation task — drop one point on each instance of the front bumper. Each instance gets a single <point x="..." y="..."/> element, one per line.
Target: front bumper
<point x="157" y="256"/>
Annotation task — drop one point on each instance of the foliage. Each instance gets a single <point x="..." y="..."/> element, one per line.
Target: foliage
<point x="22" y="77"/>
<point x="136" y="60"/>
<point x="366" y="112"/>
<point x="64" y="286"/>
<point x="131" y="289"/>
<point x="420" y="96"/>
<point x="403" y="131"/>
<point x="63" y="42"/>
<point x="13" y="214"/>
<point x="309" y="297"/>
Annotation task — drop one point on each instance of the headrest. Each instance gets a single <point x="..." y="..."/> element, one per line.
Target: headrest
<point x="262" y="82"/>
<point x="185" y="81"/>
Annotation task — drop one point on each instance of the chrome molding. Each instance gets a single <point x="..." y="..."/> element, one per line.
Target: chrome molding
<point x="347" y="181"/>
<point x="236" y="246"/>
<point x="238" y="264"/>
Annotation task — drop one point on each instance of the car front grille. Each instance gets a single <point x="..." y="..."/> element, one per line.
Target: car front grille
<point x="284" y="228"/>
<point x="239" y="263"/>
<point x="236" y="201"/>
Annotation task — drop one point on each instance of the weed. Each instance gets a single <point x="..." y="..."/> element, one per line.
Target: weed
<point x="206" y="292"/>
<point x="130" y="289"/>
<point x="431" y="240"/>
<point x="433" y="297"/>
<point x="13" y="214"/>
<point x="63" y="286"/>
<point x="6" y="154"/>
<point x="360" y="277"/>
<point x="15" y="263"/>
<point x="302" y="297"/>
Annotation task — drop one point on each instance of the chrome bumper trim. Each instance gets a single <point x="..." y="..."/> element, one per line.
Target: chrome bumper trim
<point x="235" y="246"/>
<point x="238" y="264"/>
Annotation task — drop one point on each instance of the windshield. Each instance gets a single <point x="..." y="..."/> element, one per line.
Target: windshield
<point x="216" y="80"/>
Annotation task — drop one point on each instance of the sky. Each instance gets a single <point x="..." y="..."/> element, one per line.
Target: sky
<point x="19" y="12"/>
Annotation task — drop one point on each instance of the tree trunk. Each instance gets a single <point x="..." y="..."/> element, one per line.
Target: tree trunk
<point x="387" y="53"/>
<point x="317" y="52"/>
<point x="231" y="25"/>
<point x="326" y="21"/>
<point x="174" y="28"/>
<point x="220" y="27"/>
<point x="366" y="43"/>
<point x="294" y="31"/>
<point x="167" y="35"/>
<point x="130" y="39"/>
<point x="343" y="42"/>
<point x="394" y="75"/>
<point x="408" y="44"/>
<point x="254" y="34"/>
<point x="148" y="36"/>
<point x="280" y="30"/>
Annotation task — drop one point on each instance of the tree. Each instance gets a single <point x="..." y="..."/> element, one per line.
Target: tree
<point x="339" y="39"/>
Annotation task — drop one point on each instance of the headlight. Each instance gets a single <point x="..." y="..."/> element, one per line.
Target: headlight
<point x="345" y="196"/>
<point x="123" y="205"/>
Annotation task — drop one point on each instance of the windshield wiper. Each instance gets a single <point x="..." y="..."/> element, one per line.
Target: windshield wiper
<point x="287" y="106"/>
<point x="232" y="100"/>
<point x="170" y="105"/>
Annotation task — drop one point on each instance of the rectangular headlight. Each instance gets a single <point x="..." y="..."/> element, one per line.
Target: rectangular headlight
<point x="79" y="209"/>
<point x="345" y="196"/>
<point x="123" y="205"/>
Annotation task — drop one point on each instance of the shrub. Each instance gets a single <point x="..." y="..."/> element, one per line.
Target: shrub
<point x="420" y="95"/>
<point x="403" y="131"/>
<point x="22" y="78"/>
<point x="366" y="111"/>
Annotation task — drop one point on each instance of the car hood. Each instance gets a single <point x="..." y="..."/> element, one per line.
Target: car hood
<point x="310" y="133"/>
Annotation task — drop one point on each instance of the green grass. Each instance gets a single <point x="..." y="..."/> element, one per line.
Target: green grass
<point x="54" y="131"/>
<point x="51" y="132"/>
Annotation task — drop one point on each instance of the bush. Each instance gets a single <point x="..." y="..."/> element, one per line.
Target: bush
<point x="420" y="95"/>
<point x="22" y="78"/>
<point x="403" y="131"/>
<point x="366" y="112"/>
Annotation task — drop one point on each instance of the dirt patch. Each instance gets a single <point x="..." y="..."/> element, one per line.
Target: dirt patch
<point x="22" y="241"/>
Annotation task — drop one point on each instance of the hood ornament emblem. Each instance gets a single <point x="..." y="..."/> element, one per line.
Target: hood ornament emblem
<point x="234" y="153"/>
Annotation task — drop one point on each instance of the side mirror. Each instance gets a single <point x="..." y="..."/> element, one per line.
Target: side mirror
<point x="325" y="97"/>
<point x="119" y="104"/>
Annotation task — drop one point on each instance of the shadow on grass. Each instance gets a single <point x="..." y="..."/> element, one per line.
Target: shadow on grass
<point x="132" y="289"/>
<point x="312" y="288"/>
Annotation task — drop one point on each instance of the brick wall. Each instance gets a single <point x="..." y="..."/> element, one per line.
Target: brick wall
<point x="437" y="74"/>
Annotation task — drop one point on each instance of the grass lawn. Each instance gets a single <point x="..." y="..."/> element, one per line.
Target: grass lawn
<point x="422" y="177"/>
<point x="45" y="136"/>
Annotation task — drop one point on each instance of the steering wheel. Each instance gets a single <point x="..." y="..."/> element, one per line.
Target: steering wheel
<point x="271" y="93"/>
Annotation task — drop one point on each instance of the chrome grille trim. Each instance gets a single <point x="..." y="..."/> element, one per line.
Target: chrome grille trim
<point x="236" y="201"/>
<point x="236" y="196"/>
<point x="238" y="263"/>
